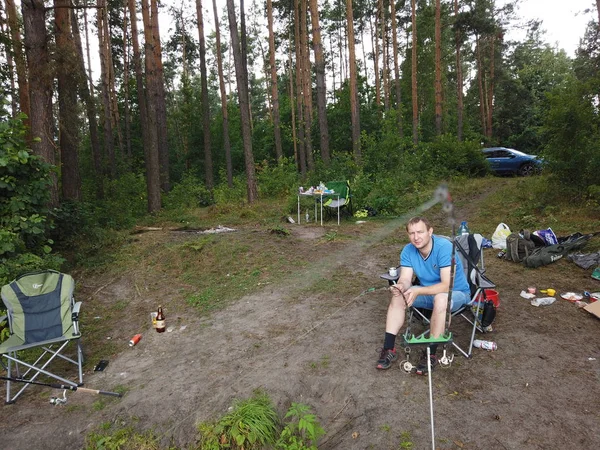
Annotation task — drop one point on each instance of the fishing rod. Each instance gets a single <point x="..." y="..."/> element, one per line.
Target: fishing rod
<point x="63" y="386"/>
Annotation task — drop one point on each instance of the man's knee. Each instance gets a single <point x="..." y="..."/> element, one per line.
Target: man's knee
<point x="440" y="303"/>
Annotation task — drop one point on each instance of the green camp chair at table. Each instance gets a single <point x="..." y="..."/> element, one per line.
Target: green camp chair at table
<point x="42" y="314"/>
<point x="338" y="205"/>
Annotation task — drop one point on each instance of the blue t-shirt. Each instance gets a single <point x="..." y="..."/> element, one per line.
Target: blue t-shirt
<point x="428" y="269"/>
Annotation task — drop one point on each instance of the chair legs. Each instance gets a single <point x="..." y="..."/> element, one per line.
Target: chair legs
<point x="12" y="357"/>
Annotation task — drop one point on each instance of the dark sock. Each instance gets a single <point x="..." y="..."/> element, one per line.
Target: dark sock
<point x="433" y="349"/>
<point x="389" y="342"/>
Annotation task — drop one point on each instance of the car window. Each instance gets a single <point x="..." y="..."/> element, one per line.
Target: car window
<point x="502" y="154"/>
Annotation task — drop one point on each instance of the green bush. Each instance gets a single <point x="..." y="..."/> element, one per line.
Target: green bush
<point x="277" y="179"/>
<point x="125" y="202"/>
<point x="190" y="192"/>
<point x="223" y="194"/>
<point x="24" y="193"/>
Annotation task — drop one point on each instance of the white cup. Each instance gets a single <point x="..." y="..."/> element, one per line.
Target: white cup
<point x="393" y="271"/>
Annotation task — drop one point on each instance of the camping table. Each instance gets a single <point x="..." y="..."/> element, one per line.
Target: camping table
<point x="317" y="197"/>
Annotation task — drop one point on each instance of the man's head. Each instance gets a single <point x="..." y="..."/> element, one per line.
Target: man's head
<point x="419" y="232"/>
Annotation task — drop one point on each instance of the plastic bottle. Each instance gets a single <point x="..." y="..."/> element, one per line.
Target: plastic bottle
<point x="463" y="229"/>
<point x="160" y="321"/>
<point x="486" y="345"/>
<point x="307" y="217"/>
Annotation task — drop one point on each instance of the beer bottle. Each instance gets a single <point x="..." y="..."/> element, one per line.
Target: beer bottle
<point x="160" y="320"/>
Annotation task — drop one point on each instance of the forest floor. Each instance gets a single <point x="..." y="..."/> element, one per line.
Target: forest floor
<point x="313" y="337"/>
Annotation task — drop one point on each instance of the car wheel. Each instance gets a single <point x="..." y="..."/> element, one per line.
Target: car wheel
<point x="526" y="170"/>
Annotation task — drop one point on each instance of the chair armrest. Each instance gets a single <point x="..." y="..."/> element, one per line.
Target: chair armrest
<point x="75" y="311"/>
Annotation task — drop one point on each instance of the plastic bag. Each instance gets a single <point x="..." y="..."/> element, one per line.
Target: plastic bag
<point x="500" y="235"/>
<point x="547" y="235"/>
<point x="544" y="301"/>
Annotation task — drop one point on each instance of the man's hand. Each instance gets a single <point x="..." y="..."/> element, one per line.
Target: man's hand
<point x="410" y="295"/>
<point x="397" y="290"/>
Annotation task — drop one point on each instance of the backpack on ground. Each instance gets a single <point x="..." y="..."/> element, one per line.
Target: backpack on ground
<point x="520" y="245"/>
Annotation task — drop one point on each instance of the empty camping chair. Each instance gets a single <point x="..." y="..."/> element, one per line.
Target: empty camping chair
<point x="42" y="314"/>
<point x="469" y="249"/>
<point x="338" y="205"/>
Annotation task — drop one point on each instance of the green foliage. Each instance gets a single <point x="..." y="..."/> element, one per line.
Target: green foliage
<point x="125" y="202"/>
<point x="572" y="135"/>
<point x="277" y="179"/>
<point x="251" y="424"/>
<point x="27" y="262"/>
<point x="190" y="192"/>
<point x="302" y="430"/>
<point x="24" y="193"/>
<point x="237" y="194"/>
<point x="24" y="196"/>
<point x="112" y="437"/>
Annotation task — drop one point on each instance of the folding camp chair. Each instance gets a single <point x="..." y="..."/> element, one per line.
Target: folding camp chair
<point x="469" y="249"/>
<point x="42" y="314"/>
<point x="340" y="202"/>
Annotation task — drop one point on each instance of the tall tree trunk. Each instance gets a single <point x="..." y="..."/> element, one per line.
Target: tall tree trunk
<point x="459" y="79"/>
<point x="242" y="86"/>
<point x="153" y="180"/>
<point x="112" y="91"/>
<point x="354" y="111"/>
<point x="384" y="58"/>
<point x="306" y="86"/>
<point x="226" y="141"/>
<point x="104" y="42"/>
<point x="161" y="106"/>
<point x="482" y="101"/>
<point x="490" y="96"/>
<point x="396" y="69"/>
<point x="90" y="108"/>
<point x="68" y="129"/>
<point x="415" y="102"/>
<point x="10" y="65"/>
<point x="40" y="85"/>
<point x="293" y="111"/>
<point x="299" y="93"/>
<point x="438" y="68"/>
<point x="274" y="91"/>
<point x="376" y="57"/>
<point x="126" y="85"/>
<point x="208" y="164"/>
<point x="321" y="86"/>
<point x="19" y="58"/>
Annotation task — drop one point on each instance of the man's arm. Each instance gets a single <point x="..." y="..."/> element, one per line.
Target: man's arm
<point x="442" y="286"/>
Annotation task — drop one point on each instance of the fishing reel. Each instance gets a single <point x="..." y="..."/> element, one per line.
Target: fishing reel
<point x="58" y="400"/>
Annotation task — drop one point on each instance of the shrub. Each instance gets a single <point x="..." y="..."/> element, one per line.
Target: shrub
<point x="278" y="179"/>
<point x="190" y="192"/>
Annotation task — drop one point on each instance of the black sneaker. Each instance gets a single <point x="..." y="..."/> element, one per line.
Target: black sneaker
<point x="422" y="366"/>
<point x="386" y="358"/>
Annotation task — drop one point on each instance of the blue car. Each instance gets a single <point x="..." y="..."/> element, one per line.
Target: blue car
<point x="507" y="161"/>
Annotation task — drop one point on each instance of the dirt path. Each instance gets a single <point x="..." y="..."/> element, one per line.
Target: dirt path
<point x="539" y="390"/>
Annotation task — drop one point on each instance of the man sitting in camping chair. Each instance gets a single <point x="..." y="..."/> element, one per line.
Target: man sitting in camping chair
<point x="428" y="257"/>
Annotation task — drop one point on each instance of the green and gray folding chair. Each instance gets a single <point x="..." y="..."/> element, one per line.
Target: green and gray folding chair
<point x="341" y="201"/>
<point x="42" y="315"/>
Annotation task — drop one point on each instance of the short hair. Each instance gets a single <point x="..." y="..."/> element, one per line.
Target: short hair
<point x="416" y="220"/>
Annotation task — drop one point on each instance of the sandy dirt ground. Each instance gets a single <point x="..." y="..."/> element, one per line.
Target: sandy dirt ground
<point x="539" y="390"/>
